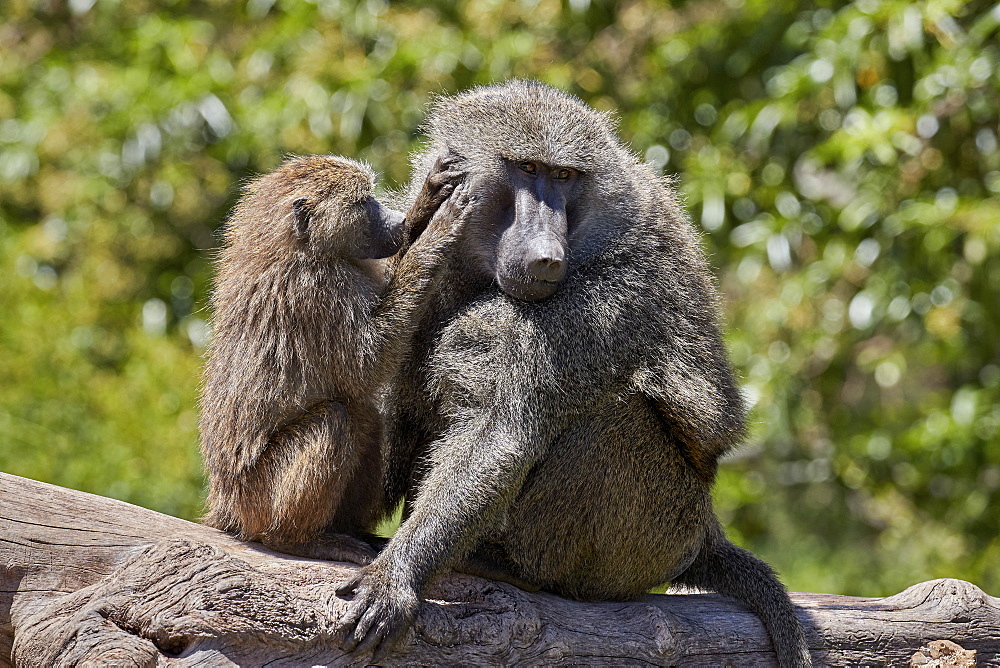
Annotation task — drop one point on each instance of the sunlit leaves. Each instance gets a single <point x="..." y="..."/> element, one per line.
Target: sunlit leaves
<point x="842" y="159"/>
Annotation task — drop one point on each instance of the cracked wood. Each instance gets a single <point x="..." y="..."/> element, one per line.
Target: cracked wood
<point x="89" y="579"/>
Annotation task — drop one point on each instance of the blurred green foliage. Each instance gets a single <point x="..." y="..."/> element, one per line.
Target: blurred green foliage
<point x="841" y="158"/>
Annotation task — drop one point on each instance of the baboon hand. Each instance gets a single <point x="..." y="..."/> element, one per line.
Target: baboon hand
<point x="379" y="615"/>
<point x="443" y="178"/>
<point x="451" y="216"/>
<point x="438" y="187"/>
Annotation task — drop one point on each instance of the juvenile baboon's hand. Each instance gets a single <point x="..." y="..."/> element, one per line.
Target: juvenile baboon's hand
<point x="444" y="176"/>
<point x="451" y="216"/>
<point x="439" y="185"/>
<point x="381" y="612"/>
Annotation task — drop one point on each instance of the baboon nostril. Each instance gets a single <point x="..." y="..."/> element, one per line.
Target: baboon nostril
<point x="545" y="259"/>
<point x="546" y="269"/>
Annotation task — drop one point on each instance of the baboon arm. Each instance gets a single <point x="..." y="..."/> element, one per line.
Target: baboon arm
<point x="698" y="403"/>
<point x="485" y="466"/>
<point x="411" y="280"/>
<point x="686" y="372"/>
<point x="396" y="316"/>
<point x="462" y="496"/>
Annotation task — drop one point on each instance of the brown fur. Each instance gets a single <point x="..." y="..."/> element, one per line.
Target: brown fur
<point x="306" y="333"/>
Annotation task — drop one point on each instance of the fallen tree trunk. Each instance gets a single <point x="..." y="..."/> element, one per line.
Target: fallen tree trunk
<point x="89" y="579"/>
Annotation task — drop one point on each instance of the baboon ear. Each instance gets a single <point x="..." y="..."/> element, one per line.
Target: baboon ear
<point x="303" y="216"/>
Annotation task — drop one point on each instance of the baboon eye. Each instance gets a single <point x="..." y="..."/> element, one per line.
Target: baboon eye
<point x="564" y="173"/>
<point x="528" y="167"/>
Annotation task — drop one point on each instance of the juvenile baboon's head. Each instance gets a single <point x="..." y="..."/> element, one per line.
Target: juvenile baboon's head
<point x="544" y="167"/>
<point x="321" y="205"/>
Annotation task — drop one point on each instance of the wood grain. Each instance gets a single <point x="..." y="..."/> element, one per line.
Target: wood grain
<point x="90" y="580"/>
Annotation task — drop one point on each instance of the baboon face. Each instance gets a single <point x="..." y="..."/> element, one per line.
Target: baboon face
<point x="363" y="229"/>
<point x="385" y="230"/>
<point x="335" y="213"/>
<point x="531" y="252"/>
<point x="546" y="169"/>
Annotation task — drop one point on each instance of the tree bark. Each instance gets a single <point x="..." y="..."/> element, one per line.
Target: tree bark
<point x="85" y="579"/>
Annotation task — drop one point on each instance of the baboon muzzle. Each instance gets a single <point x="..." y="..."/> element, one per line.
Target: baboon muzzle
<point x="546" y="259"/>
<point x="543" y="226"/>
<point x="385" y="229"/>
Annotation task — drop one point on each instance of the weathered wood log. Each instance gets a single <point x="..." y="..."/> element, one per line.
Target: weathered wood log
<point x="85" y="579"/>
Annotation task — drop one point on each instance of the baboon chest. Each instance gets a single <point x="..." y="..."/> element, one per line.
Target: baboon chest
<point x="473" y="353"/>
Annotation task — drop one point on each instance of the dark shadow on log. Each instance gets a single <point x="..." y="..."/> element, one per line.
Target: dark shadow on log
<point x="89" y="579"/>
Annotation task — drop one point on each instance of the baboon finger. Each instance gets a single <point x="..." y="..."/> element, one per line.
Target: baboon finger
<point x="347" y="635"/>
<point x="451" y="208"/>
<point x="348" y="643"/>
<point x="344" y="634"/>
<point x="441" y="180"/>
<point x="454" y="174"/>
<point x="441" y="195"/>
<point x="389" y="638"/>
<point x="448" y="159"/>
<point x="442" y="164"/>
<point x="350" y="586"/>
<point x="446" y="176"/>
<point x="369" y="631"/>
<point x="462" y="195"/>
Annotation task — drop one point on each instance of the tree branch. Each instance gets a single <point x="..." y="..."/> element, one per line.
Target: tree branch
<point x="85" y="578"/>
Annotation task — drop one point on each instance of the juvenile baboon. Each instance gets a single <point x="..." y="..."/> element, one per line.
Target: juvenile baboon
<point x="306" y="333"/>
<point x="568" y="394"/>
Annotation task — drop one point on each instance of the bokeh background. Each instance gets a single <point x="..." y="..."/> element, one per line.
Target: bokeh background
<point x="841" y="159"/>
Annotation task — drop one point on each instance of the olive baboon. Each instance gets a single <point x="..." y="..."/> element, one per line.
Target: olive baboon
<point x="568" y="393"/>
<point x="306" y="335"/>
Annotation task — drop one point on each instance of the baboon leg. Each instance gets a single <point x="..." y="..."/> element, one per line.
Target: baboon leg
<point x="357" y="549"/>
<point x="306" y="467"/>
<point x="490" y="561"/>
<point x="736" y="573"/>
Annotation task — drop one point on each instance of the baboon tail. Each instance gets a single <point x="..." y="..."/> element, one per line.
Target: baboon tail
<point x="736" y="573"/>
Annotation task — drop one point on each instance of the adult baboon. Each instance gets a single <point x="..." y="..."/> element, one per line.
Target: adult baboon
<point x="568" y="394"/>
<point x="306" y="334"/>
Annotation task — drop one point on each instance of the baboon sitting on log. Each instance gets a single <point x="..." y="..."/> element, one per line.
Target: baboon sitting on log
<point x="568" y="395"/>
<point x="306" y="333"/>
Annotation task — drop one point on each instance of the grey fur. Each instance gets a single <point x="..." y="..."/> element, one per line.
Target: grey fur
<point x="571" y="441"/>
